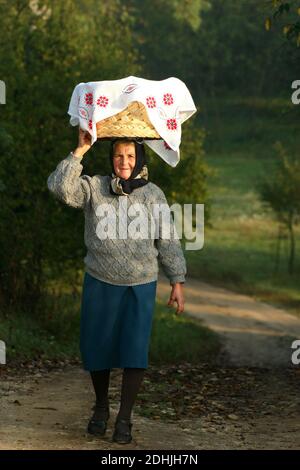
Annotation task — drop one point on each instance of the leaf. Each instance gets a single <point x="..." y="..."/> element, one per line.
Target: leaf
<point x="268" y="24"/>
<point x="286" y="29"/>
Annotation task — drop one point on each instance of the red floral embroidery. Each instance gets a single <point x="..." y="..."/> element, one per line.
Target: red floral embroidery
<point x="89" y="98"/>
<point x="172" y="124"/>
<point x="168" y="99"/>
<point x="167" y="146"/>
<point x="90" y="124"/>
<point x="151" y="103"/>
<point x="102" y="101"/>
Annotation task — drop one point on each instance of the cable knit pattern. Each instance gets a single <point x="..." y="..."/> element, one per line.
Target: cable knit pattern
<point x="117" y="261"/>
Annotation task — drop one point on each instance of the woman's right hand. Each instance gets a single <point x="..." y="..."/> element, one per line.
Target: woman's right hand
<point x="84" y="143"/>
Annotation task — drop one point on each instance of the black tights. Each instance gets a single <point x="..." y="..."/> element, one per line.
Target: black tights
<point x="131" y="381"/>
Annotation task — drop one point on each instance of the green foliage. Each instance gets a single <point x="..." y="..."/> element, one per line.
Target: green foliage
<point x="282" y="189"/>
<point x="43" y="56"/>
<point x="190" y="11"/>
<point x="216" y="47"/>
<point x="54" y="333"/>
<point x="286" y="17"/>
<point x="169" y="336"/>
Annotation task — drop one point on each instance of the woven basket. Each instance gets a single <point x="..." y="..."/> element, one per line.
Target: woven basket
<point x="133" y="121"/>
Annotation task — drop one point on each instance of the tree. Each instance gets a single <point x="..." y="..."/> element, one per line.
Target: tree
<point x="46" y="49"/>
<point x="281" y="192"/>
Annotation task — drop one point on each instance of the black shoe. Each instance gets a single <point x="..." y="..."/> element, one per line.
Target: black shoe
<point x="98" y="426"/>
<point x="122" y="432"/>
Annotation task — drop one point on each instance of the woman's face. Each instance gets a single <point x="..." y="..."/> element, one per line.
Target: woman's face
<point x="124" y="159"/>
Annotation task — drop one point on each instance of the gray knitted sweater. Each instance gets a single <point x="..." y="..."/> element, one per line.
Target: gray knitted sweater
<point x="115" y="260"/>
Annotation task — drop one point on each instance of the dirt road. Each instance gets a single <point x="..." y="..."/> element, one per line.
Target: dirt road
<point x="251" y="401"/>
<point x="254" y="333"/>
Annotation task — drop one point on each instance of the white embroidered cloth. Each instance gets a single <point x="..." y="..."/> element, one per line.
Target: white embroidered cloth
<point x="168" y="103"/>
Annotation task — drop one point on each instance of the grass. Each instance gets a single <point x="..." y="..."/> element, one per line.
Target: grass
<point x="177" y="338"/>
<point x="240" y="247"/>
<point x="54" y="334"/>
<point x="249" y="126"/>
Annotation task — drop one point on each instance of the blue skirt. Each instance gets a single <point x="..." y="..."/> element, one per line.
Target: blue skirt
<point x="115" y="324"/>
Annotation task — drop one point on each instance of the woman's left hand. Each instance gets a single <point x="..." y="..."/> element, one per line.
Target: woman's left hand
<point x="177" y="296"/>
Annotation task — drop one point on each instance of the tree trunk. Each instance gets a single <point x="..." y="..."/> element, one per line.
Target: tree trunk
<point x="292" y="245"/>
<point x="277" y="252"/>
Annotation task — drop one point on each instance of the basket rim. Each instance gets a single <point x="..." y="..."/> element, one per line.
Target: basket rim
<point x="128" y="138"/>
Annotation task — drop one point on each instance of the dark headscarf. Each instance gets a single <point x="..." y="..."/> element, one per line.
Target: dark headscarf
<point x="139" y="175"/>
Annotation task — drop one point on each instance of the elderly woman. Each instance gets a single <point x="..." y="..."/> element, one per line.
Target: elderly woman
<point x="119" y="286"/>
